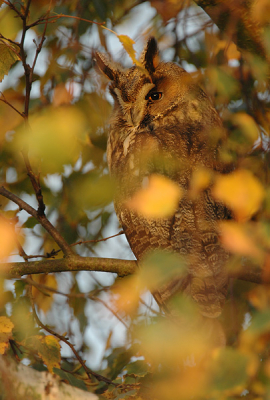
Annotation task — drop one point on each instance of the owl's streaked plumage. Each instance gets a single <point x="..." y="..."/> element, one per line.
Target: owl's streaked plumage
<point x="164" y="123"/>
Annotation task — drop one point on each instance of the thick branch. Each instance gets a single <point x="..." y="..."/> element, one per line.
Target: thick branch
<point x="120" y="267"/>
<point x="73" y="263"/>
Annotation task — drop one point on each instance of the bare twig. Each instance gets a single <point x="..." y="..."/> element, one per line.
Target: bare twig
<point x="4" y="100"/>
<point x="57" y="16"/>
<point x="97" y="240"/>
<point x="54" y="252"/>
<point x="12" y="7"/>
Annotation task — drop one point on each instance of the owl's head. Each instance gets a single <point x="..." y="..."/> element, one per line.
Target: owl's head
<point x="143" y="94"/>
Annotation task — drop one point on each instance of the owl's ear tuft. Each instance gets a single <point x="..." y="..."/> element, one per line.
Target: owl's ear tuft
<point x="106" y="66"/>
<point x="149" y="57"/>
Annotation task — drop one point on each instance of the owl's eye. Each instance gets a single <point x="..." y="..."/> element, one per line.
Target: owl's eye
<point x="154" y="96"/>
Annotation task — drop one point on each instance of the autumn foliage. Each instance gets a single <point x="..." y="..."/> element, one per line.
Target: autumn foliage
<point x="99" y="332"/>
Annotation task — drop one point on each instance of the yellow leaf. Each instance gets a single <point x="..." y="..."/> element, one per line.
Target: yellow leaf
<point x="54" y="137"/>
<point x="10" y="24"/>
<point x="159" y="199"/>
<point x="126" y="294"/>
<point x="236" y="238"/>
<point x="128" y="43"/>
<point x="241" y="191"/>
<point x="6" y="327"/>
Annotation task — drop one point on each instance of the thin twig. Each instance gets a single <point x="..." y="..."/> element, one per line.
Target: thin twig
<point x="57" y="16"/>
<point x="74" y="295"/>
<point x="54" y="252"/>
<point x="39" y="47"/>
<point x="36" y="185"/>
<point x="41" y="219"/>
<point x="44" y="20"/>
<point x="4" y="100"/>
<point x="87" y="370"/>
<point x="97" y="240"/>
<point x="9" y="40"/>
<point x="12" y="7"/>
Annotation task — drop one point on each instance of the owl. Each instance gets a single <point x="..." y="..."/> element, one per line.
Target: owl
<point x="164" y="124"/>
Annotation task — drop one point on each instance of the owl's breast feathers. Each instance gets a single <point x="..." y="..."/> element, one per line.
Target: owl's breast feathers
<point x="192" y="231"/>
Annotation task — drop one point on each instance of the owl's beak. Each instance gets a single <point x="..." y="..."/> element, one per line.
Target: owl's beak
<point x="135" y="116"/>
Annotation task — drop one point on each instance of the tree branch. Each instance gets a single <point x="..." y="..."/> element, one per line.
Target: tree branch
<point x="72" y="263"/>
<point x="121" y="267"/>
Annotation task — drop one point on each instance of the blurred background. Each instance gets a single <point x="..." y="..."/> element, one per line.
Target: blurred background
<point x="69" y="107"/>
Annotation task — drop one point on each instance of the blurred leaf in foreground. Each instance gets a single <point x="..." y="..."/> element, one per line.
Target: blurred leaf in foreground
<point x="53" y="138"/>
<point x="159" y="199"/>
<point x="241" y="191"/>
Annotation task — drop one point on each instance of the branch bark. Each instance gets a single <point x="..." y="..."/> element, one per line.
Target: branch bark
<point x="73" y="263"/>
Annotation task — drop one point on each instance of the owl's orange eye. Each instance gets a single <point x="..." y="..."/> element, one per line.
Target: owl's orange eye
<point x="154" y="96"/>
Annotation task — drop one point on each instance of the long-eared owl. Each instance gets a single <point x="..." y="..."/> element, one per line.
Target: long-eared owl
<point x="163" y="123"/>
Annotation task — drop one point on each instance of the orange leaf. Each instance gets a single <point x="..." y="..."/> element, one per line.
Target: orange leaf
<point x="241" y="191"/>
<point x="236" y="238"/>
<point x="7" y="239"/>
<point x="159" y="199"/>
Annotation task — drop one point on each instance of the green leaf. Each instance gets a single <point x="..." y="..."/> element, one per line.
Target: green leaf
<point x="137" y="368"/>
<point x="19" y="287"/>
<point x="260" y="323"/>
<point x="8" y="57"/>
<point x="229" y="370"/>
<point x="30" y="223"/>
<point x="70" y="379"/>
